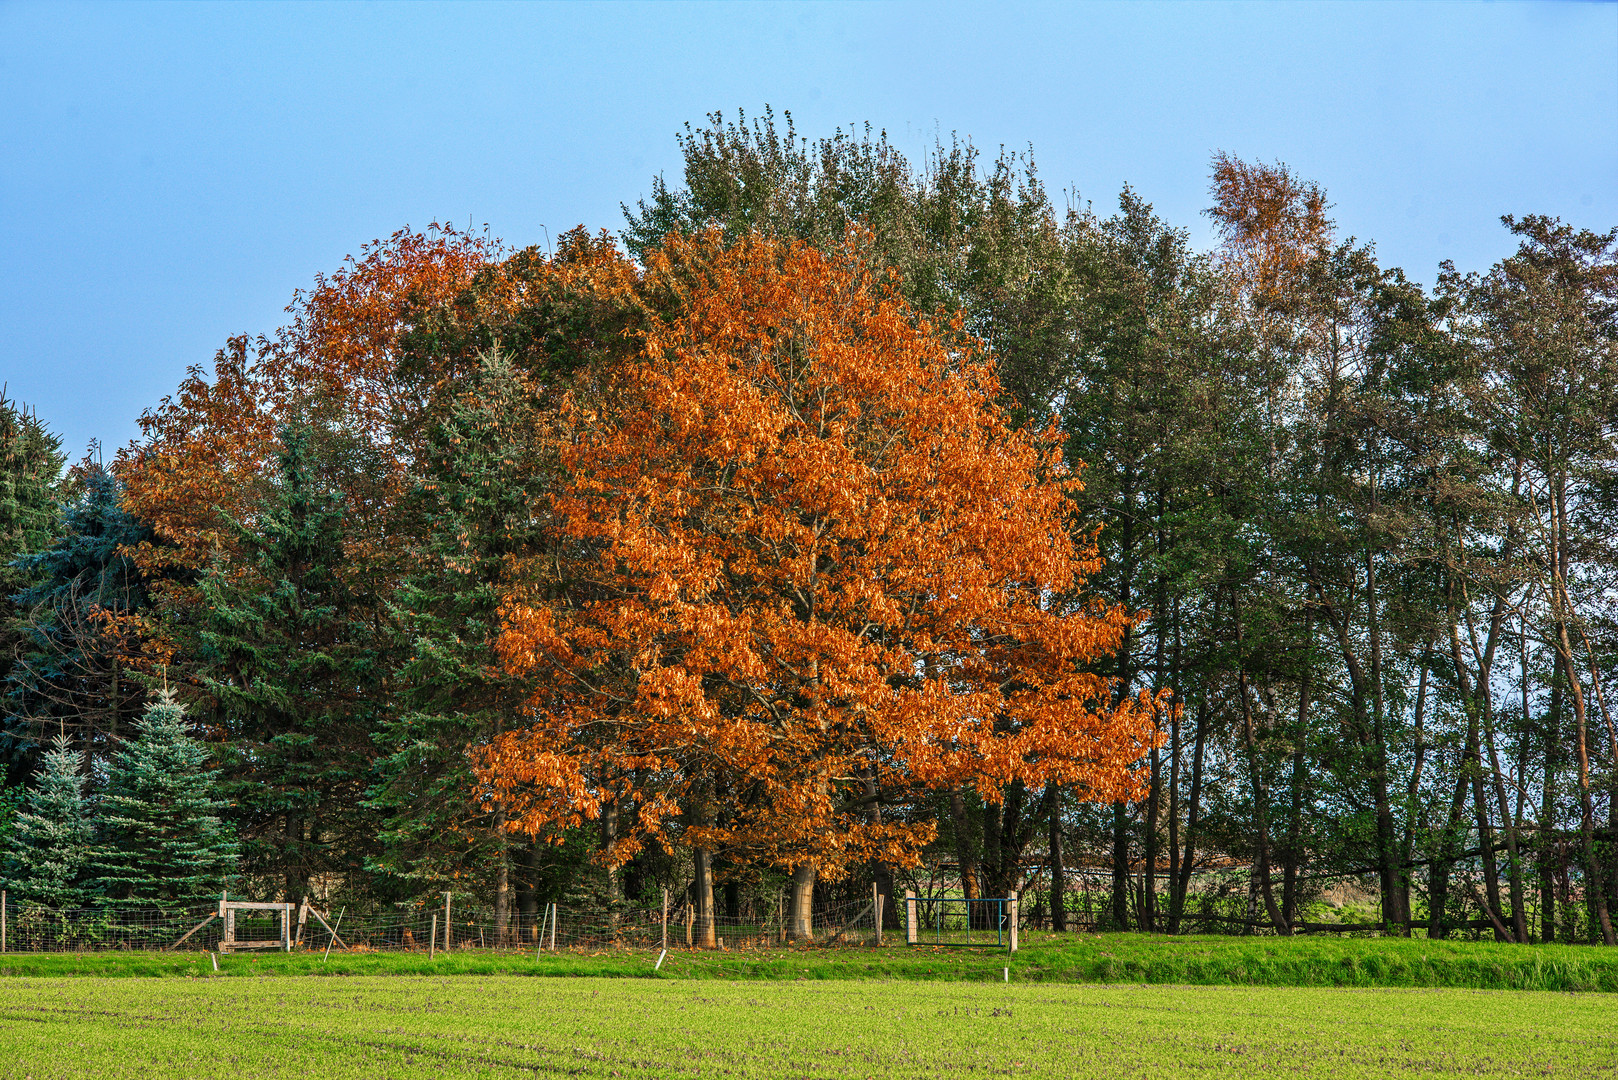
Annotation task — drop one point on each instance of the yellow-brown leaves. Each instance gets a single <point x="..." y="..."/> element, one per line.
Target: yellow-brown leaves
<point x="817" y="556"/>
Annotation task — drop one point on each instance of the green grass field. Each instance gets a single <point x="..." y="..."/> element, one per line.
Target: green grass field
<point x="502" y="1026"/>
<point x="1111" y="1006"/>
<point x="1074" y="958"/>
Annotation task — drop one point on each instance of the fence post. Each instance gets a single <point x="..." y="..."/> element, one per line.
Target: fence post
<point x="665" y="920"/>
<point x="910" y="916"/>
<point x="877" y="907"/>
<point x="3" y="899"/>
<point x="1011" y="918"/>
<point x="448" y="941"/>
<point x="432" y="940"/>
<point x="553" y="927"/>
<point x="690" y="921"/>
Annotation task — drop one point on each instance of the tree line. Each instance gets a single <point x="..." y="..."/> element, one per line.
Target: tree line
<point x="849" y="519"/>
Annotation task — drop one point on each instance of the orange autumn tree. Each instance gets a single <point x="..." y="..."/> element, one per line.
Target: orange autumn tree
<point x="817" y="571"/>
<point x="207" y="447"/>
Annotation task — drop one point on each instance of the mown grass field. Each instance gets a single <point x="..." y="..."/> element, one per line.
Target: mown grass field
<point x="1075" y="958"/>
<point x="504" y="1026"/>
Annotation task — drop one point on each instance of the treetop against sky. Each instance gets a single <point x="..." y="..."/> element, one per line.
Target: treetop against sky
<point x="174" y="172"/>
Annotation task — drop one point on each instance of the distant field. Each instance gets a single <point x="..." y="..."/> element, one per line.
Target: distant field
<point x="1076" y="958"/>
<point x="501" y="1026"/>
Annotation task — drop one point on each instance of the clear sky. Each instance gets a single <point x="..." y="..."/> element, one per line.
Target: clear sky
<point x="169" y="174"/>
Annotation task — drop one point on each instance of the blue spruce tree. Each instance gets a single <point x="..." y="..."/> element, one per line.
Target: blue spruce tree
<point x="52" y="839"/>
<point x="163" y="843"/>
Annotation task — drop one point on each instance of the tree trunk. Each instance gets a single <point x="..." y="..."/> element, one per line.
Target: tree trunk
<point x="1120" y="867"/>
<point x="702" y="896"/>
<point x="1551" y="725"/>
<point x="1292" y="854"/>
<point x="800" y="904"/>
<point x="1444" y="858"/>
<point x="1261" y="794"/>
<point x="964" y="857"/>
<point x="1053" y="799"/>
<point x="502" y="881"/>
<point x="1193" y="814"/>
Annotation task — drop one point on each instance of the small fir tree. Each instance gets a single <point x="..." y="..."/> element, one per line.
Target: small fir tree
<point x="52" y="836"/>
<point x="163" y="843"/>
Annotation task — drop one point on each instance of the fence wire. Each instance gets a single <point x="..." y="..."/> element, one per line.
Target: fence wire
<point x="423" y="929"/>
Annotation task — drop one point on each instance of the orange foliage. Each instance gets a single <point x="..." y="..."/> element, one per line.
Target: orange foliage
<point x="205" y="447"/>
<point x="813" y="559"/>
<point x="1271" y="222"/>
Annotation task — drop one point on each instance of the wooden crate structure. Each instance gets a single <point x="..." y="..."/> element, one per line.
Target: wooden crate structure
<point x="230" y="943"/>
<point x="289" y="938"/>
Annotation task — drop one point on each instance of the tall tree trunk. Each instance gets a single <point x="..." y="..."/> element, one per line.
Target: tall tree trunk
<point x="1386" y="834"/>
<point x="1594" y="879"/>
<point x="1192" y="820"/>
<point x="1174" y="770"/>
<point x="1444" y="858"/>
<point x="1551" y="725"/>
<point x="1261" y="794"/>
<point x="1292" y="855"/>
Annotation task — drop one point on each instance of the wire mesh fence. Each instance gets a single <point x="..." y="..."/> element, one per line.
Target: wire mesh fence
<point x="422" y="929"/>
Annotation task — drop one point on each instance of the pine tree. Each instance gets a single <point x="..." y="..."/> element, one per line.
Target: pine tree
<point x="53" y="836"/>
<point x="289" y="656"/>
<point x="163" y="843"/>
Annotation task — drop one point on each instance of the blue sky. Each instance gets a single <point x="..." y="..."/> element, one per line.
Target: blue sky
<point x="170" y="174"/>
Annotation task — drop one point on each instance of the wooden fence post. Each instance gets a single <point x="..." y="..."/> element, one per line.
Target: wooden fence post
<point x="690" y="921"/>
<point x="910" y="916"/>
<point x="876" y="906"/>
<point x="432" y="941"/>
<point x="448" y="941"/>
<point x="1011" y="919"/>
<point x="665" y="920"/>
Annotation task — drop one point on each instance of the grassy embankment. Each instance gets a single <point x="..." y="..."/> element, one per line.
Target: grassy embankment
<point x="402" y="1028"/>
<point x="1110" y="958"/>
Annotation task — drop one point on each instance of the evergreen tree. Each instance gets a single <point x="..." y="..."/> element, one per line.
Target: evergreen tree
<point x="30" y="467"/>
<point x="288" y="655"/>
<point x="163" y="843"/>
<point x="80" y="641"/>
<point x="53" y="836"/>
<point x="484" y="473"/>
